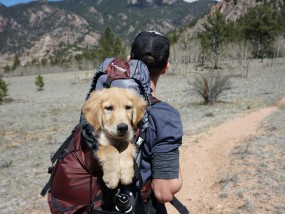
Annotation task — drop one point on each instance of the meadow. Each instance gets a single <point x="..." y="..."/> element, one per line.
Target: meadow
<point x="34" y="124"/>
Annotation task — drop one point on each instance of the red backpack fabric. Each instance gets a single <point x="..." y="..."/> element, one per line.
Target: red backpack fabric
<point x="70" y="184"/>
<point x="70" y="176"/>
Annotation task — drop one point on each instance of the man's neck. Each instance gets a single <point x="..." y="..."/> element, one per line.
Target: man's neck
<point x="153" y="83"/>
<point x="153" y="87"/>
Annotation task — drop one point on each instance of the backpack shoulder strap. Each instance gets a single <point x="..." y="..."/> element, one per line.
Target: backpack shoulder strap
<point x="154" y="100"/>
<point x="140" y="136"/>
<point x="56" y="156"/>
<point x="63" y="147"/>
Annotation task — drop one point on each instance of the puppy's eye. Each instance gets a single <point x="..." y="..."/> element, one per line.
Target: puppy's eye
<point x="128" y="107"/>
<point x="109" y="108"/>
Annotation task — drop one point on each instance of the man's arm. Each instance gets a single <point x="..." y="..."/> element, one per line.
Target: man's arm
<point x="165" y="168"/>
<point x="164" y="189"/>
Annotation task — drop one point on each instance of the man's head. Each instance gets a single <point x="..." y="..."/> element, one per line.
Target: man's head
<point x="152" y="48"/>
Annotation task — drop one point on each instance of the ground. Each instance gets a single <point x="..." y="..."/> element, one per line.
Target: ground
<point x="203" y="163"/>
<point x="231" y="158"/>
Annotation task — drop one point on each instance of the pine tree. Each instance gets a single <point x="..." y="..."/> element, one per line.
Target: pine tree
<point x="3" y="90"/>
<point x="17" y="61"/>
<point x="281" y="19"/>
<point x="39" y="83"/>
<point x="217" y="33"/>
<point x="110" y="45"/>
<point x="260" y="28"/>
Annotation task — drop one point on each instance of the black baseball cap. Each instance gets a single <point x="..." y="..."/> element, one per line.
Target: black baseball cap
<point x="151" y="43"/>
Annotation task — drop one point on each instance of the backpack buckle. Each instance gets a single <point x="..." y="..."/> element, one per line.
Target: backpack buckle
<point x="107" y="83"/>
<point x="50" y="169"/>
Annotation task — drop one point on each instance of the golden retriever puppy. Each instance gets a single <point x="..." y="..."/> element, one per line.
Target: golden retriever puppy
<point x="114" y="114"/>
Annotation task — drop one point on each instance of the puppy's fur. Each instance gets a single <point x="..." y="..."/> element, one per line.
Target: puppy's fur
<point x="114" y="114"/>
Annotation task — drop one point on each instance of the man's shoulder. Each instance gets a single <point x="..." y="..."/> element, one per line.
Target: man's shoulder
<point x="163" y="107"/>
<point x="165" y="125"/>
<point x="163" y="112"/>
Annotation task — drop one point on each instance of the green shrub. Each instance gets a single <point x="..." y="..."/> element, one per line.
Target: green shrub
<point x="39" y="83"/>
<point x="3" y="90"/>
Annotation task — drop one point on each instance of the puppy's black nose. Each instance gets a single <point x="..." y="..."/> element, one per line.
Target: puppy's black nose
<point x="122" y="128"/>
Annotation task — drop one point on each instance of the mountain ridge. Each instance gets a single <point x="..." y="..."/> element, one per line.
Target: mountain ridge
<point x="79" y="22"/>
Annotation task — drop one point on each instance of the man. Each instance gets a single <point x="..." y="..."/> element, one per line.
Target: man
<point x="160" y="162"/>
<point x="76" y="187"/>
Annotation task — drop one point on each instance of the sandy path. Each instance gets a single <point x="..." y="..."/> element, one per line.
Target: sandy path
<point x="201" y="163"/>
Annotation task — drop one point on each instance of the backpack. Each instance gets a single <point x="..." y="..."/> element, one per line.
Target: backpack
<point x="77" y="173"/>
<point x="75" y="184"/>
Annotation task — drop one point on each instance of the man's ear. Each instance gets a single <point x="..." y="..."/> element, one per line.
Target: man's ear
<point x="165" y="68"/>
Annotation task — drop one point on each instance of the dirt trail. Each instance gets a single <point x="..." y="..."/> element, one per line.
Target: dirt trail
<point x="202" y="163"/>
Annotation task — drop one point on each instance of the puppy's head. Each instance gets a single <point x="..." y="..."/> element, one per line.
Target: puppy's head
<point x="115" y="111"/>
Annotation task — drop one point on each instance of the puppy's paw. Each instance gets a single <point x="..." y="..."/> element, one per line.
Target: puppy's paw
<point x="111" y="179"/>
<point x="110" y="161"/>
<point x="127" y="174"/>
<point x="127" y="164"/>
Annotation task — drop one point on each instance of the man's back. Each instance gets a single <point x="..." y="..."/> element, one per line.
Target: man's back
<point x="161" y="150"/>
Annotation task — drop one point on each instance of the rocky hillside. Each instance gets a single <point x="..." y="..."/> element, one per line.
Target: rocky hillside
<point x="35" y="29"/>
<point x="234" y="9"/>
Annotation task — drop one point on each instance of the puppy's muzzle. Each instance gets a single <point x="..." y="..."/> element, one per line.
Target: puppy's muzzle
<point x="122" y="129"/>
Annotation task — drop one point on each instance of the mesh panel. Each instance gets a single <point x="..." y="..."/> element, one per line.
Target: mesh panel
<point x="151" y="43"/>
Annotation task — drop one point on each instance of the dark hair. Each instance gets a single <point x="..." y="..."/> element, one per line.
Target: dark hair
<point x="152" y="48"/>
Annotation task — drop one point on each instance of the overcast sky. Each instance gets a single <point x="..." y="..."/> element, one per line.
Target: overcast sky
<point x="12" y="2"/>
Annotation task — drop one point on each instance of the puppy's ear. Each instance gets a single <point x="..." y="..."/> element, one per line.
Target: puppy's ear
<point x="92" y="110"/>
<point x="139" y="109"/>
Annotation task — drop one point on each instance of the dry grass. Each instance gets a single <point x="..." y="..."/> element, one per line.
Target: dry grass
<point x="258" y="169"/>
<point x="34" y="124"/>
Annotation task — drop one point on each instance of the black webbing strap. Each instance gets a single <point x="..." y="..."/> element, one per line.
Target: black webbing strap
<point x="153" y="100"/>
<point x="61" y="149"/>
<point x="139" y="203"/>
<point x="46" y="188"/>
<point x="138" y="176"/>
<point x="94" y="83"/>
<point x="55" y="157"/>
<point x="90" y="208"/>
<point x="179" y="206"/>
<point x="107" y="83"/>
